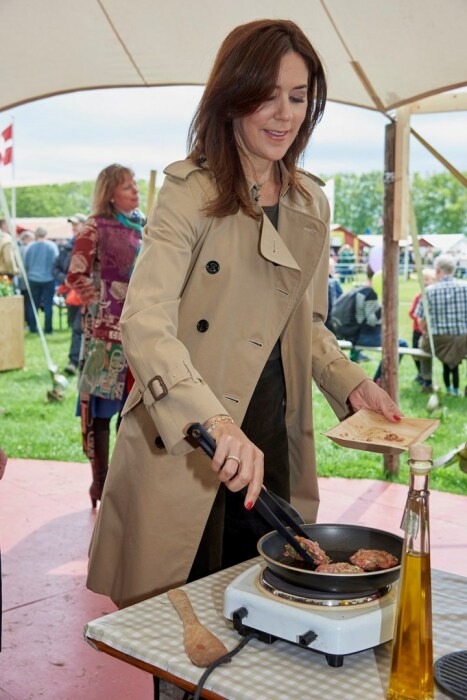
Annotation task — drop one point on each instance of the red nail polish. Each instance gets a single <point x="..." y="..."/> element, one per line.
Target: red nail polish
<point x="249" y="505"/>
<point x="397" y="418"/>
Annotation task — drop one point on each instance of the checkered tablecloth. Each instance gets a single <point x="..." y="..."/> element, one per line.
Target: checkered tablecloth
<point x="152" y="632"/>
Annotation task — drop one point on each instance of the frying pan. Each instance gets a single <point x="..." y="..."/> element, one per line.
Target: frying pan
<point x="339" y="542"/>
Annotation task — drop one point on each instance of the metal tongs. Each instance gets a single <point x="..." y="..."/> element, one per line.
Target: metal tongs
<point x="267" y="504"/>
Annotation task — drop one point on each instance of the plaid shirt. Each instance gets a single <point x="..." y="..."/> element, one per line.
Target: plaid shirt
<point x="447" y="305"/>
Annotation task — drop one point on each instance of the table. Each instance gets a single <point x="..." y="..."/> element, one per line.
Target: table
<point x="149" y="635"/>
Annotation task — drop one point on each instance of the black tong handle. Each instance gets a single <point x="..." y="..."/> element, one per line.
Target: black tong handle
<point x="266" y="504"/>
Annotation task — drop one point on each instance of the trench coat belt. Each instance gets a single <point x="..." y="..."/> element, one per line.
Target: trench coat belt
<point x="158" y="386"/>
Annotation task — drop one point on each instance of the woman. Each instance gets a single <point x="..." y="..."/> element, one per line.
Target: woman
<point x="224" y="324"/>
<point x="103" y="256"/>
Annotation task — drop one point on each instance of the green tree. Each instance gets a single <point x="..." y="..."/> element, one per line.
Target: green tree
<point x="54" y="200"/>
<point x="440" y="204"/>
<point x="359" y="201"/>
<point x="60" y="200"/>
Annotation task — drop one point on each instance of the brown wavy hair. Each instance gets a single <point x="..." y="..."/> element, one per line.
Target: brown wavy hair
<point x="244" y="75"/>
<point x="106" y="182"/>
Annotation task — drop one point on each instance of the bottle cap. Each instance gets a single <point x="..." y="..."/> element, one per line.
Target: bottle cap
<point x="420" y="453"/>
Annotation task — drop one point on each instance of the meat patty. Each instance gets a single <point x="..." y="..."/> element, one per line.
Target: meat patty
<point x="373" y="559"/>
<point x="341" y="567"/>
<point x="317" y="554"/>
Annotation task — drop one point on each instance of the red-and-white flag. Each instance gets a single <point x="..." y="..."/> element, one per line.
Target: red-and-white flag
<point x="7" y="157"/>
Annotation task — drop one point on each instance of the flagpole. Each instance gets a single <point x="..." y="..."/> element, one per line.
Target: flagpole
<point x="13" y="175"/>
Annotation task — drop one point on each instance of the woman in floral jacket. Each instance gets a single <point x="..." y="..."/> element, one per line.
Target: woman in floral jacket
<point x="103" y="257"/>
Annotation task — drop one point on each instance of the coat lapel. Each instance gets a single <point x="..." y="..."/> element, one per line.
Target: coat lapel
<point x="273" y="248"/>
<point x="298" y="245"/>
<point x="304" y="237"/>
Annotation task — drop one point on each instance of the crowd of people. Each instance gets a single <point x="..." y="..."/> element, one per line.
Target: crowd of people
<point x="46" y="263"/>
<point x="439" y="327"/>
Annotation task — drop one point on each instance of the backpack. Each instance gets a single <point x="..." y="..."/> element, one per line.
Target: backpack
<point x="343" y="321"/>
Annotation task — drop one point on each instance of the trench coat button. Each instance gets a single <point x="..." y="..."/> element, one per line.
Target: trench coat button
<point x="212" y="267"/>
<point x="159" y="442"/>
<point x="202" y="325"/>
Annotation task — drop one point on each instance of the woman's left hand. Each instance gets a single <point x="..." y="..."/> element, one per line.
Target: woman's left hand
<point x="370" y="395"/>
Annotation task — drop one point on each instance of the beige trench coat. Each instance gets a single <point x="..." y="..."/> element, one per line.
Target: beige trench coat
<point x="206" y="303"/>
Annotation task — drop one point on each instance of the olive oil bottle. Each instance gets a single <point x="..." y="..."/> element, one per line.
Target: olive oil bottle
<point x="411" y="676"/>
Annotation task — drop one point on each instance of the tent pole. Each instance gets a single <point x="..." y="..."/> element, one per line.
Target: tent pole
<point x="390" y="366"/>
<point x="401" y="174"/>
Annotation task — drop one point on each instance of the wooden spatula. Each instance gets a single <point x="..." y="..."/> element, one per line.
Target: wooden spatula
<point x="201" y="646"/>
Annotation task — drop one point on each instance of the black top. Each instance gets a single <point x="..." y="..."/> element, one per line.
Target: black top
<point x="272" y="213"/>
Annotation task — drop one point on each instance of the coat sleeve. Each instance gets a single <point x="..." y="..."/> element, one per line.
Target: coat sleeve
<point x="172" y="389"/>
<point x="80" y="270"/>
<point x="334" y="374"/>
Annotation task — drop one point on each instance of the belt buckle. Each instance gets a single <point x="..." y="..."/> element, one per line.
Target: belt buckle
<point x="158" y="378"/>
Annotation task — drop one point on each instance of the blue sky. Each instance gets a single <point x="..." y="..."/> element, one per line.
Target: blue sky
<point x="72" y="137"/>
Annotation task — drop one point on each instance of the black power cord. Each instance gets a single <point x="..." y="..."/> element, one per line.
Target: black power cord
<point x="223" y="660"/>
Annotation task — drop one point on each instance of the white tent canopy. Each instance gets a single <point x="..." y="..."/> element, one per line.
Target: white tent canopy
<point x="445" y="242"/>
<point x="378" y="54"/>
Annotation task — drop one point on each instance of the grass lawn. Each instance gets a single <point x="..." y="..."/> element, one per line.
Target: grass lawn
<point x="33" y="428"/>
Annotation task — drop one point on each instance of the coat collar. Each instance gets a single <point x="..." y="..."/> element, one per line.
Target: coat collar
<point x="272" y="247"/>
<point x="285" y="182"/>
<point x="273" y="243"/>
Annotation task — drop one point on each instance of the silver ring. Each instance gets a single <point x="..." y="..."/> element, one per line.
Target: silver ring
<point x="233" y="457"/>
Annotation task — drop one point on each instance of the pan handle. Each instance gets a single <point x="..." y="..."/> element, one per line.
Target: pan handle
<point x="266" y="504"/>
<point x="202" y="437"/>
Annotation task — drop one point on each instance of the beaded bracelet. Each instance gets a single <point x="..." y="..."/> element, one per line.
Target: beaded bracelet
<point x="217" y="421"/>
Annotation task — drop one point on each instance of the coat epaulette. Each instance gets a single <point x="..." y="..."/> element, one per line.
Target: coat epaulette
<point x="316" y="179"/>
<point x="181" y="169"/>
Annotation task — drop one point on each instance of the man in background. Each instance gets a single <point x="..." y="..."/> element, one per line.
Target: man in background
<point x="447" y="310"/>
<point x="72" y="300"/>
<point x="38" y="262"/>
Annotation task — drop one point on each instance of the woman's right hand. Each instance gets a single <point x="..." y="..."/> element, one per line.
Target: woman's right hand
<point x="238" y="462"/>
